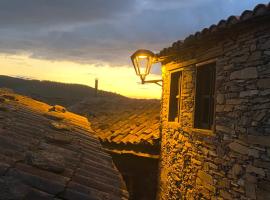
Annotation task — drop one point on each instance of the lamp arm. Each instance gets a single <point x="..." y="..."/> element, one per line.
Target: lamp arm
<point x="153" y="81"/>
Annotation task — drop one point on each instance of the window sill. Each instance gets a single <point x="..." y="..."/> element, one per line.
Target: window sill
<point x="173" y="125"/>
<point x="203" y="131"/>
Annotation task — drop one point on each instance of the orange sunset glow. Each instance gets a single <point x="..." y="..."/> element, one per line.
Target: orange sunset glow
<point x="87" y="40"/>
<point x="117" y="79"/>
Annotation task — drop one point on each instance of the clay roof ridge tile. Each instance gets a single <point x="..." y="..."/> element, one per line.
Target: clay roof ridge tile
<point x="232" y="20"/>
<point x="260" y="9"/>
<point x="247" y="14"/>
<point x="213" y="28"/>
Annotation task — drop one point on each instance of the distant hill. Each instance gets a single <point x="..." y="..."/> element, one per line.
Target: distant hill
<point x="53" y="92"/>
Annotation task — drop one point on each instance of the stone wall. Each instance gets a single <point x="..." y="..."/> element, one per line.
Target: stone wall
<point x="233" y="161"/>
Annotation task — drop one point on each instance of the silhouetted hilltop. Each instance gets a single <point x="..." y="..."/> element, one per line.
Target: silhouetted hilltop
<point x="53" y="92"/>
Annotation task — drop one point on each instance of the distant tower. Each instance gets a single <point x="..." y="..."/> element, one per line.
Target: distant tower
<point x="96" y="87"/>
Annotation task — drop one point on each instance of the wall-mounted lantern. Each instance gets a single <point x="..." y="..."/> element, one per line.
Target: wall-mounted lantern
<point x="142" y="61"/>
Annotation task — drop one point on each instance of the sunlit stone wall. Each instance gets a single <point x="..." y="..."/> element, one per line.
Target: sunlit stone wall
<point x="233" y="162"/>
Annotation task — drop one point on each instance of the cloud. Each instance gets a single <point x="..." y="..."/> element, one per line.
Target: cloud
<point x="173" y="4"/>
<point x="55" y="12"/>
<point x="102" y="31"/>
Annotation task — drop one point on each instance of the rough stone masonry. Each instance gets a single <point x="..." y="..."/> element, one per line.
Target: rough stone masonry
<point x="232" y="161"/>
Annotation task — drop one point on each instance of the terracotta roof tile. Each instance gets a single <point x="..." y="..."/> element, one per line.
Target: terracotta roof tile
<point x="49" y="153"/>
<point x="134" y="123"/>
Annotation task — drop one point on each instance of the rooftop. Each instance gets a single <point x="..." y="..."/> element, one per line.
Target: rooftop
<point x="47" y="152"/>
<point x="259" y="12"/>
<point x="126" y="126"/>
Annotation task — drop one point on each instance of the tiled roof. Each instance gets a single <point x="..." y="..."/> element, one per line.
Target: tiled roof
<point x="139" y="126"/>
<point x="261" y="10"/>
<point x="49" y="153"/>
<point x="132" y="123"/>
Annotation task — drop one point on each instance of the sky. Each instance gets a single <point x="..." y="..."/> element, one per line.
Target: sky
<point x="79" y="41"/>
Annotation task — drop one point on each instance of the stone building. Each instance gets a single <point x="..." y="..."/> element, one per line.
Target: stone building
<point x="216" y="111"/>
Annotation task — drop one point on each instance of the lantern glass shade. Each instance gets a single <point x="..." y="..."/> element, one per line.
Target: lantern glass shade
<point x="142" y="61"/>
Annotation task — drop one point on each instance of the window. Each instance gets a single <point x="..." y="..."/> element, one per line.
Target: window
<point x="175" y="91"/>
<point x="204" y="100"/>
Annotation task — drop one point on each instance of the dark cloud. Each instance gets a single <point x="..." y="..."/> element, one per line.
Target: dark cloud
<point x="49" y="12"/>
<point x="98" y="31"/>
